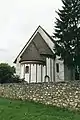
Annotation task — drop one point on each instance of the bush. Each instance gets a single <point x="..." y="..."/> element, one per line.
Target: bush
<point x="6" y="73"/>
<point x="16" y="79"/>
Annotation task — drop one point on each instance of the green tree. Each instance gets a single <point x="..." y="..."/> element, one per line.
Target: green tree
<point x="6" y="73"/>
<point x="67" y="33"/>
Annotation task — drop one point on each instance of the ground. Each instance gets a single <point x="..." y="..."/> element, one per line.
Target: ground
<point x="20" y="110"/>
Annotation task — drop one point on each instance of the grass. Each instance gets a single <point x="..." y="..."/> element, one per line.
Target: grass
<point x="19" y="110"/>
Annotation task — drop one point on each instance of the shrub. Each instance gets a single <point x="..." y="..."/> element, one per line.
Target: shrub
<point x="6" y="73"/>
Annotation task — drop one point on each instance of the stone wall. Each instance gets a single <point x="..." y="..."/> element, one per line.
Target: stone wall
<point x="65" y="94"/>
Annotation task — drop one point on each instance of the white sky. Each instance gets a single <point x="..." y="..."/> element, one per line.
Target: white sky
<point x="19" y="19"/>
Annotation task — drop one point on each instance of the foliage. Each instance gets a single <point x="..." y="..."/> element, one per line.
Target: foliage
<point x="67" y="33"/>
<point x="7" y="73"/>
<point x="15" y="79"/>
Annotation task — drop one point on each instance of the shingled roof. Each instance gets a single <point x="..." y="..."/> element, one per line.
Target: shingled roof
<point x="31" y="54"/>
<point x="36" y="49"/>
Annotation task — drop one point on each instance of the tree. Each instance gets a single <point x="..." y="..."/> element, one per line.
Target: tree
<point x="67" y="33"/>
<point x="6" y="73"/>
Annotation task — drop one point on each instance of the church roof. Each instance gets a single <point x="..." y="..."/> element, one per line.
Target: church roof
<point x="36" y="48"/>
<point x="32" y="53"/>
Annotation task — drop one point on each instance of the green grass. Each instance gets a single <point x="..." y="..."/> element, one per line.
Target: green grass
<point x="19" y="110"/>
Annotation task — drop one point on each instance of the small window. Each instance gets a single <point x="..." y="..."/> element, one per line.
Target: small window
<point x="27" y="69"/>
<point x="57" y="67"/>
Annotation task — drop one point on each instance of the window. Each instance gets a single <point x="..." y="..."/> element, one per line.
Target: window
<point x="57" y="67"/>
<point x="27" y="69"/>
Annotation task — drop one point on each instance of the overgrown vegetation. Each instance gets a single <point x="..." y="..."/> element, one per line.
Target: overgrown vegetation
<point x="19" y="110"/>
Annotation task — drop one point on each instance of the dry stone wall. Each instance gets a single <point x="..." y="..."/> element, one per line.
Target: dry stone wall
<point x="65" y="94"/>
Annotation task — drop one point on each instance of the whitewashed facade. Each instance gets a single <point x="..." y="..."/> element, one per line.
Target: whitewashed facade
<point x="36" y="62"/>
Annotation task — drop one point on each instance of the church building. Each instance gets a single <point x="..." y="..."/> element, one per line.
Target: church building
<point x="37" y="62"/>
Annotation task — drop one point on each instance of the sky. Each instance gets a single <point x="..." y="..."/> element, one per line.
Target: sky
<point x="18" y="21"/>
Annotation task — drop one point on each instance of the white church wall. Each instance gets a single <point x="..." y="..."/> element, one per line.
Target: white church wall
<point x="27" y="74"/>
<point x="33" y="72"/>
<point x="50" y="68"/>
<point x="59" y="76"/>
<point x="39" y="73"/>
<point x="44" y="73"/>
<point x="18" y="67"/>
<point x="22" y="71"/>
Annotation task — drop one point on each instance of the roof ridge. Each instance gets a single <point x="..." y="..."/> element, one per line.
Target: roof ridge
<point x="48" y="35"/>
<point x="28" y="42"/>
<point x="36" y="47"/>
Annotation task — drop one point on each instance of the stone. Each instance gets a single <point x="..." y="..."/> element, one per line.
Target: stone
<point x="61" y="94"/>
